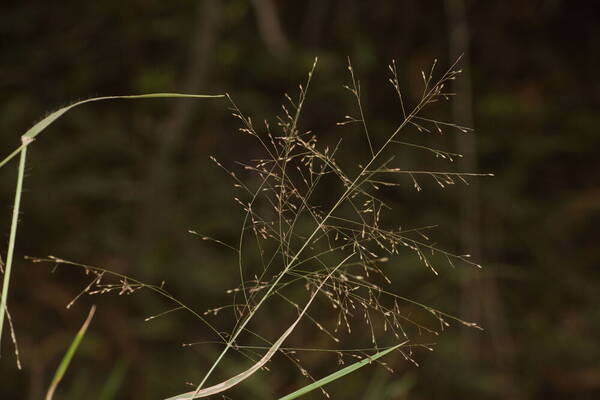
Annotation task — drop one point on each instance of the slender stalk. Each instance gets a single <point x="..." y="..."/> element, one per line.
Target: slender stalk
<point x="13" y="154"/>
<point x="13" y="234"/>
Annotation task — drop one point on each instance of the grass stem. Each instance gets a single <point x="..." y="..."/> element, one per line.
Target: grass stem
<point x="12" y="238"/>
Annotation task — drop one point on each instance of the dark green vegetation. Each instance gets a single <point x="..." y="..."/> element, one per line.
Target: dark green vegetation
<point x="119" y="186"/>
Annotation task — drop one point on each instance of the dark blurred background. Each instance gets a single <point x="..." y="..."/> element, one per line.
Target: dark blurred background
<point x="119" y="184"/>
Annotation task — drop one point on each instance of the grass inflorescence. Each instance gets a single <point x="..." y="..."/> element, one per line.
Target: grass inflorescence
<point x="315" y="232"/>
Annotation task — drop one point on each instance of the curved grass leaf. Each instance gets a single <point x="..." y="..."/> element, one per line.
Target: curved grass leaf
<point x="26" y="140"/>
<point x="338" y="374"/>
<point x="36" y="129"/>
<point x="43" y="124"/>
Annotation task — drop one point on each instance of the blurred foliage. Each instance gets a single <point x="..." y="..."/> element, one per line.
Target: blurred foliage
<point x="110" y="185"/>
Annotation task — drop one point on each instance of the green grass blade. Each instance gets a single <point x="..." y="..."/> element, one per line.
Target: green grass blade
<point x="26" y="140"/>
<point x="64" y="364"/>
<point x="43" y="124"/>
<point x="338" y="374"/>
<point x="115" y="380"/>
<point x="12" y="238"/>
<point x="36" y="129"/>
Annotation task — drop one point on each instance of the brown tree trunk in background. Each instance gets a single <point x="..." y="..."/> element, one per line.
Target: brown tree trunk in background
<point x="462" y="113"/>
<point x="270" y="27"/>
<point x="314" y="20"/>
<point x="479" y="295"/>
<point x="170" y="133"/>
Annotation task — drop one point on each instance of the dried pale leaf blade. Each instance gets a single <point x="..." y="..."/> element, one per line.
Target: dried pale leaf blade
<point x="231" y="382"/>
